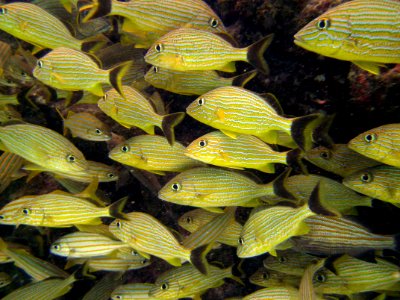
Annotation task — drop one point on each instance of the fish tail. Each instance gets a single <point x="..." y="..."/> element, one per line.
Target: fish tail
<point x="198" y="258"/>
<point x="96" y="9"/>
<point x="168" y="124"/>
<point x="302" y="130"/>
<point x="255" y="54"/>
<point x="294" y="160"/>
<point x="320" y="133"/>
<point x="94" y="43"/>
<point x="242" y="79"/>
<point x="116" y="75"/>
<point x="280" y="188"/>
<point x="315" y="203"/>
<point x="115" y="209"/>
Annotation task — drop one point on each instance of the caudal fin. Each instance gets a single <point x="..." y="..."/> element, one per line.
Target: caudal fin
<point x="198" y="258"/>
<point x="115" y="209"/>
<point x="316" y="206"/>
<point x="255" y="54"/>
<point x="116" y="75"/>
<point x="280" y="188"/>
<point x="242" y="79"/>
<point x="96" y="9"/>
<point x="168" y="124"/>
<point x="320" y="133"/>
<point x="294" y="160"/>
<point x="303" y="128"/>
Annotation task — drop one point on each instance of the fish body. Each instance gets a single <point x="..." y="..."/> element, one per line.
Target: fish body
<point x="270" y="278"/>
<point x="187" y="49"/>
<point x="245" y="151"/>
<point x="364" y="32"/>
<point x="134" y="109"/>
<point x="337" y="235"/>
<point x="380" y="144"/>
<point x="380" y="182"/>
<point x="72" y="70"/>
<point x="187" y="281"/>
<point x="8" y="99"/>
<point x="192" y="82"/>
<point x="268" y="228"/>
<point x="149" y="20"/>
<point x="276" y="293"/>
<point x="10" y="165"/>
<point x="34" y="25"/>
<point x="5" y="279"/>
<point x="340" y="160"/>
<point x="132" y="291"/>
<point x="57" y="209"/>
<point x="235" y="110"/>
<point x="44" y="147"/>
<point x="212" y="187"/>
<point x="152" y="153"/>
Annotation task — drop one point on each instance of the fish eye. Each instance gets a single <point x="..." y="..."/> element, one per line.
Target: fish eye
<point x="71" y="158"/>
<point x="98" y="131"/>
<point x="118" y="297"/>
<point x="366" y="177"/>
<point x="370" y="137"/>
<point x="155" y="69"/>
<point x="134" y="253"/>
<point x="189" y="220"/>
<point x="26" y="211"/>
<point x="3" y="11"/>
<point x="201" y="101"/>
<point x="23" y="74"/>
<point x="176" y="186"/>
<point x="57" y="247"/>
<point x="119" y="224"/>
<point x="319" y="277"/>
<point x="105" y="97"/>
<point x="323" y="23"/>
<point x="241" y="241"/>
<point x="324" y="155"/>
<point x="203" y="143"/>
<point x="265" y="275"/>
<point x="2" y="217"/>
<point x="125" y="148"/>
<point x="213" y="22"/>
<point x="164" y="286"/>
<point x="159" y="47"/>
<point x="39" y="64"/>
<point x="143" y="261"/>
<point x="110" y="175"/>
<point x="282" y="259"/>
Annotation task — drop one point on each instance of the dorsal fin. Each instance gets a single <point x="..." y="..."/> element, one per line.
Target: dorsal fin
<point x="272" y="101"/>
<point x="227" y="37"/>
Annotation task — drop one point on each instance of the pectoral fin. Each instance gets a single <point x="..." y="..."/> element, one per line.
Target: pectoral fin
<point x="369" y="66"/>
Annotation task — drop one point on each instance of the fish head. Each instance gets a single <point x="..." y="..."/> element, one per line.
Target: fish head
<point x="206" y="148"/>
<point x="15" y="212"/>
<point x="165" y="288"/>
<point x="158" y="77"/>
<point x="9" y="17"/>
<point x="117" y="228"/>
<point x="202" y="109"/>
<point x="70" y="161"/>
<point x="180" y="188"/>
<point x="327" y="35"/>
<point x="367" y="181"/>
<point x="129" y="154"/>
<point x="326" y="282"/>
<point x="98" y="132"/>
<point x="191" y="220"/>
<point x="43" y="71"/>
<point x="60" y="248"/>
<point x="248" y="244"/>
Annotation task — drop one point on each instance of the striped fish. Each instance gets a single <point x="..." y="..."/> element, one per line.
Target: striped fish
<point x="209" y="188"/>
<point x="197" y="218"/>
<point x="187" y="281"/>
<point x="133" y="291"/>
<point x="86" y="126"/>
<point x="337" y="235"/>
<point x="326" y="282"/>
<point x="147" y="235"/>
<point x="245" y="151"/>
<point x="235" y="110"/>
<point x="365" y="32"/>
<point x="35" y="267"/>
<point x="104" y="287"/>
<point x="380" y="182"/>
<point x="5" y="54"/>
<point x="289" y="262"/>
<point x="8" y="99"/>
<point x="306" y="288"/>
<point x="10" y="165"/>
<point x="84" y="244"/>
<point x="135" y="110"/>
<point x="340" y="160"/>
<point x="270" y="278"/>
<point x="275" y="293"/>
<point x="49" y="289"/>
<point x="148" y="20"/>
<point x="187" y="49"/>
<point x="34" y="25"/>
<point x="72" y="70"/>
<point x="381" y="144"/>
<point x="192" y="82"/>
<point x="9" y="114"/>
<point x="152" y="153"/>
<point x="57" y="209"/>
<point x="44" y="147"/>
<point x="268" y="228"/>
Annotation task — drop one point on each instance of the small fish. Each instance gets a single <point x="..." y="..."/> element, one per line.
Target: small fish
<point x="10" y="165"/>
<point x="197" y="218"/>
<point x="270" y="278"/>
<point x="34" y="25"/>
<point x="187" y="49"/>
<point x="86" y="126"/>
<point x="193" y="82"/>
<point x="152" y="153"/>
<point x="84" y="244"/>
<point x="210" y="188"/>
<point x="235" y="110"/>
<point x="330" y="235"/>
<point x="379" y="144"/>
<point x="326" y="282"/>
<point x="57" y="209"/>
<point x="134" y="109"/>
<point x="380" y="182"/>
<point x="133" y="291"/>
<point x="147" y="235"/>
<point x="104" y="287"/>
<point x="72" y="70"/>
<point x="340" y="159"/>
<point x="365" y="32"/>
<point x="306" y="288"/>
<point x="5" y="54"/>
<point x="289" y="262"/>
<point x="245" y="151"/>
<point x="148" y="20"/>
<point x="274" y="293"/>
<point x="44" y="147"/>
<point x="188" y="281"/>
<point x="5" y="279"/>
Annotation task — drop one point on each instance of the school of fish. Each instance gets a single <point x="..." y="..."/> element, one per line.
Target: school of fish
<point x="97" y="66"/>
